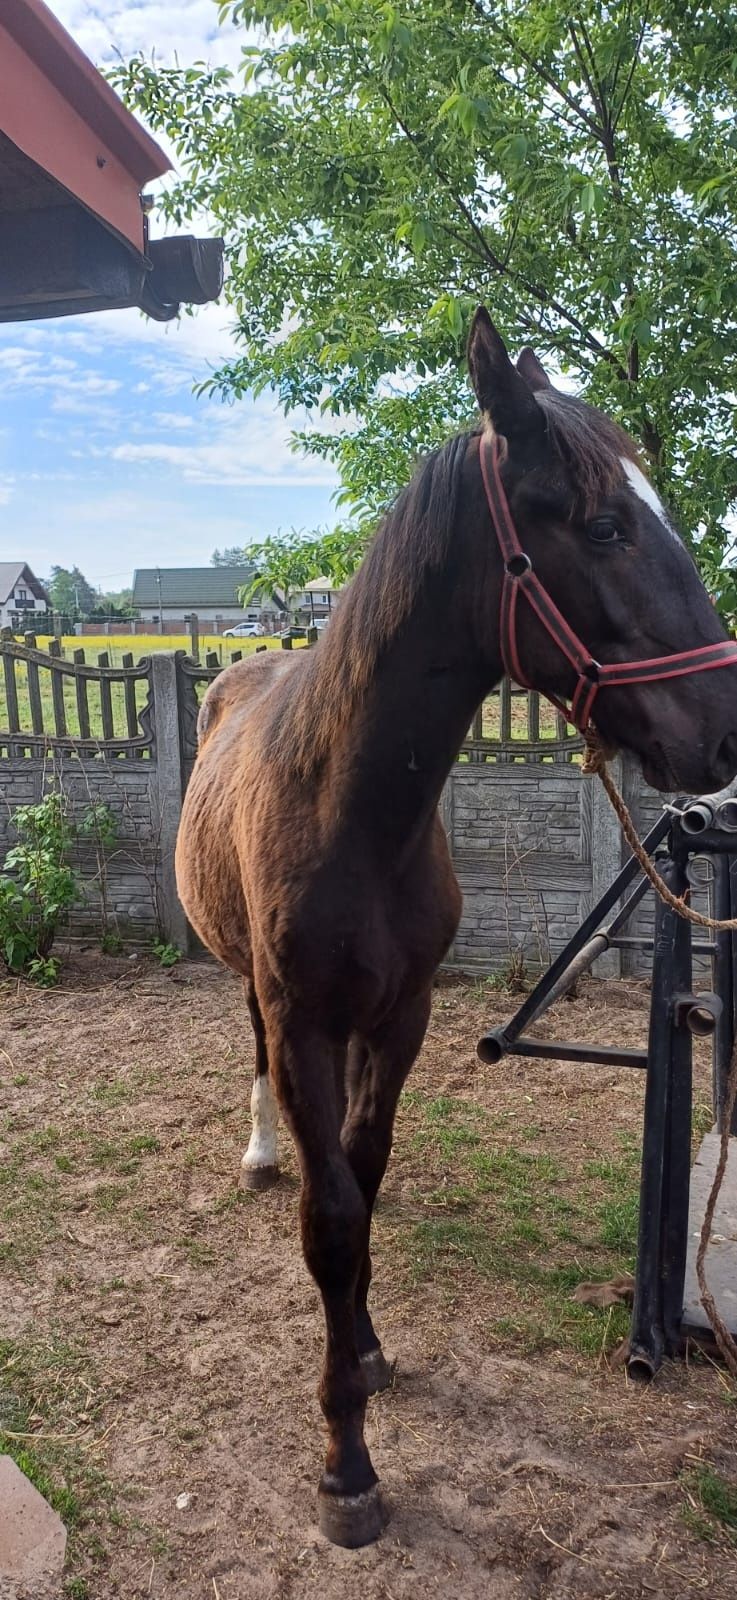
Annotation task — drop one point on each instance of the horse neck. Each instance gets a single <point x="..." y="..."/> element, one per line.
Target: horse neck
<point x="405" y="734"/>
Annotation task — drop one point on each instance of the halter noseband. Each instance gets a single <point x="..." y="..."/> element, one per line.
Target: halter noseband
<point x="520" y="578"/>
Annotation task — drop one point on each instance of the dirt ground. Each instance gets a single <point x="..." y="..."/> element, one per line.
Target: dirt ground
<point x="162" y="1338"/>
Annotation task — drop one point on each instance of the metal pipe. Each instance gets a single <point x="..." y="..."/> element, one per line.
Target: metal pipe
<point x="623" y="942"/>
<point x="493" y="1045"/>
<point x="725" y="980"/>
<point x="711" y="810"/>
<point x="657" y="1255"/>
<point x="592" y="1055"/>
<point x="727" y="815"/>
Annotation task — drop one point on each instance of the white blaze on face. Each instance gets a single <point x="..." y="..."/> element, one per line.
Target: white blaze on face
<point x="261" y="1150"/>
<point x="645" y="492"/>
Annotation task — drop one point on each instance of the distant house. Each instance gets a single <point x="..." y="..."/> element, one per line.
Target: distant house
<point x="166" y="596"/>
<point x="317" y="600"/>
<point x="23" y="600"/>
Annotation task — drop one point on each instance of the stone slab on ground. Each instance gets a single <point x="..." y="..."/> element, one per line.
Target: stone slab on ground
<point x="721" y="1256"/>
<point x="33" y="1538"/>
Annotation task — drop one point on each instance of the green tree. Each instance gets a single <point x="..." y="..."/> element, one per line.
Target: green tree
<point x="282" y="565"/>
<point x="114" y="603"/>
<point x="70" y="593"/>
<point x="384" y="166"/>
<point x="231" y="556"/>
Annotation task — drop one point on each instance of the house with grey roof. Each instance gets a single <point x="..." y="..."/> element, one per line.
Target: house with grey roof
<point x="23" y="600"/>
<point x="168" y="595"/>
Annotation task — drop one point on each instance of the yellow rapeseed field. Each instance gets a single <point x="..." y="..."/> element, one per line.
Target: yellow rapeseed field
<point x="142" y="644"/>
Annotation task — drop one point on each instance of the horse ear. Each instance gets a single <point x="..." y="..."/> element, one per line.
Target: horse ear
<point x="532" y="370"/>
<point x="501" y="391"/>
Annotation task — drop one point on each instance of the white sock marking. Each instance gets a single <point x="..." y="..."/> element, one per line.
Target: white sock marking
<point x="262" y="1151"/>
<point x="645" y="492"/>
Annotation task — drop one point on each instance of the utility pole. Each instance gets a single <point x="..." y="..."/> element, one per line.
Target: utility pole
<point x="161" y="614"/>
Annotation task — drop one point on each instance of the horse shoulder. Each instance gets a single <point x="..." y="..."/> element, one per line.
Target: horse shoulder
<point x="242" y="685"/>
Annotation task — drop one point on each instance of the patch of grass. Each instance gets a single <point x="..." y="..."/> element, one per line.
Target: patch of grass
<point x="123" y="1155"/>
<point x="61" y="1498"/>
<point x="108" y="1196"/>
<point x="556" y="1322"/>
<point x="200" y="1254"/>
<point x="47" y="1398"/>
<point x="711" y="1504"/>
<point x="617" y="1213"/>
<point x="115" y="1283"/>
<point x="113" y="1093"/>
<point x="619" y="1219"/>
<point x="524" y="1220"/>
<point x="702" y="1119"/>
<point x="434" y="1245"/>
<point x="45" y="1139"/>
<point x="144" y="1144"/>
<point x="29" y="1209"/>
<point x="453" y="1196"/>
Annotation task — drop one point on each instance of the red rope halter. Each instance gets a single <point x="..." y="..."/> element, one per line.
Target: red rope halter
<point x="521" y="579"/>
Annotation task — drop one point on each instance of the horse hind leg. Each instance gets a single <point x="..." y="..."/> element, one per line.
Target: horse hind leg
<point x="260" y="1164"/>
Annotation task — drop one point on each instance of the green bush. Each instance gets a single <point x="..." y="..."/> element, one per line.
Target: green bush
<point x="36" y="889"/>
<point x="166" y="954"/>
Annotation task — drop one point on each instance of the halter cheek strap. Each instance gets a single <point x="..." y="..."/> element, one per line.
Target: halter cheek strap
<point x="520" y="579"/>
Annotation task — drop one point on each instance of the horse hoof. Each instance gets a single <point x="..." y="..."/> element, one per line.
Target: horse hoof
<point x="378" y="1372"/>
<point x="351" y="1520"/>
<point x="258" y="1177"/>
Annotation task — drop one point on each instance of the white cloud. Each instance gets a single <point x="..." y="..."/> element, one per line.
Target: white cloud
<point x="172" y="419"/>
<point x="249" y="445"/>
<point x="187" y="31"/>
<point x="171" y="354"/>
<point x="6" y="491"/>
<point x="35" y="370"/>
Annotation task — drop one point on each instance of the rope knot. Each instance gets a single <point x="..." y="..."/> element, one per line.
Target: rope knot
<point x="594" y="754"/>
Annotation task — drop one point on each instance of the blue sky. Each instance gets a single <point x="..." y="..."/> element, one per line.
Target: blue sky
<point x="107" y="459"/>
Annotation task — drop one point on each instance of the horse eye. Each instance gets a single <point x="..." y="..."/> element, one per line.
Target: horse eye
<point x="603" y="530"/>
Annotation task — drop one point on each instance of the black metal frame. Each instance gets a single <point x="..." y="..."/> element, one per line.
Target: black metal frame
<point x="676" y="1014"/>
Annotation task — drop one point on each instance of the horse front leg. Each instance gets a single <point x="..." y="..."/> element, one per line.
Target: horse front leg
<point x="334" y="1222"/>
<point x="376" y="1073"/>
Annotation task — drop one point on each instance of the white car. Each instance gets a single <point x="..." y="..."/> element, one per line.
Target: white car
<point x="245" y="630"/>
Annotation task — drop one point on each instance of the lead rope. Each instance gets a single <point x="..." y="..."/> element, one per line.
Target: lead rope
<point x="594" y="762"/>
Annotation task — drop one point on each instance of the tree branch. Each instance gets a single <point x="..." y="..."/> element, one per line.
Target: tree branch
<point x="538" y="291"/>
<point x="635" y="58"/>
<point x="535" y="66"/>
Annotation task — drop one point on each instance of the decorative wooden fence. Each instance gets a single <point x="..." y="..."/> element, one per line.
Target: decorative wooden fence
<point x="531" y="841"/>
<point x="54" y="704"/>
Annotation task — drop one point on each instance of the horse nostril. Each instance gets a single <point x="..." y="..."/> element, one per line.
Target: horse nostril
<point x="727" y="756"/>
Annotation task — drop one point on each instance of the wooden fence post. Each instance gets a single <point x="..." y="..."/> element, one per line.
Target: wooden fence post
<point x="168" y="793"/>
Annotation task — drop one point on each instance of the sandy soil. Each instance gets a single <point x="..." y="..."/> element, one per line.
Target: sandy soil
<point x="197" y="1333"/>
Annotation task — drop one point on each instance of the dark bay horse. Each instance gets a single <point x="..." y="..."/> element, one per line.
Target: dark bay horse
<point x="311" y="859"/>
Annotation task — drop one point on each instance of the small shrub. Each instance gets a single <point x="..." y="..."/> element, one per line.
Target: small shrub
<point x="43" y="970"/>
<point x="167" y="955"/>
<point x="36" y="890"/>
<point x="38" y="886"/>
<point x="98" y="824"/>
